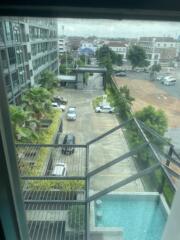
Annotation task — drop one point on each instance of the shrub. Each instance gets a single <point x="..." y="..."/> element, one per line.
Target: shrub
<point x="46" y="137"/>
<point x="64" y="185"/>
<point x="97" y="101"/>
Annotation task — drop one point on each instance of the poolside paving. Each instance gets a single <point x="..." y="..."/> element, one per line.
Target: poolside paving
<point x="90" y="125"/>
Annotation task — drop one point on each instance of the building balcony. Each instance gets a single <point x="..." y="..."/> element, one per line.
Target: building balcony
<point x="78" y="201"/>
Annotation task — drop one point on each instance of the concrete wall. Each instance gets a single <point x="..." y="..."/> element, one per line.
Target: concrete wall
<point x="172" y="229"/>
<point x="79" y="78"/>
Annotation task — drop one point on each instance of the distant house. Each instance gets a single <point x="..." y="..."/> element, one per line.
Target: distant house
<point x="87" y="48"/>
<point x="119" y="48"/>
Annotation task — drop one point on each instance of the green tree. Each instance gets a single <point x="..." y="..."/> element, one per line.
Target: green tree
<point x="155" y="119"/>
<point x="119" y="60"/>
<point x="66" y="58"/>
<point x="123" y="102"/>
<point x="62" y="69"/>
<point x="22" y="124"/>
<point x="137" y="57"/>
<point x="48" y="80"/>
<point x="156" y="68"/>
<point x="38" y="101"/>
<point x="105" y="52"/>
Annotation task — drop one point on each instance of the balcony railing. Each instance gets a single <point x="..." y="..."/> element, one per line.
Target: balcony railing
<point x="58" y="205"/>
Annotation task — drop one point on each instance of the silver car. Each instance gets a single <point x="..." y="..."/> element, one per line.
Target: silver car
<point x="60" y="169"/>
<point x="71" y="114"/>
<point x="104" y="109"/>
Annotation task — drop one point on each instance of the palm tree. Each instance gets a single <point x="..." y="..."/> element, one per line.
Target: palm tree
<point x="22" y="124"/>
<point x="48" y="80"/>
<point x="37" y="100"/>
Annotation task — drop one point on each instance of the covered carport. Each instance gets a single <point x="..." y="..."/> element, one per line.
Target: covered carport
<point x="80" y="72"/>
<point x="68" y="81"/>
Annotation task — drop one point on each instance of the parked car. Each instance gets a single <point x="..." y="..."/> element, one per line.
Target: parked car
<point x="58" y="106"/>
<point x="60" y="169"/>
<point x="60" y="100"/>
<point x="104" y="109"/>
<point x="169" y="81"/>
<point x="139" y="70"/>
<point x="160" y="78"/>
<point x="69" y="139"/>
<point x="71" y="113"/>
<point x="120" y="74"/>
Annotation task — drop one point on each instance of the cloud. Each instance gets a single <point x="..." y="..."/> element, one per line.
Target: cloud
<point x="117" y="28"/>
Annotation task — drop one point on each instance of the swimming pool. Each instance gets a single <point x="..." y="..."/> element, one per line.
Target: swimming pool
<point x="142" y="217"/>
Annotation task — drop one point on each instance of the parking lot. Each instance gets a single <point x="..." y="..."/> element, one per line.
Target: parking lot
<point x="154" y="93"/>
<point x="88" y="126"/>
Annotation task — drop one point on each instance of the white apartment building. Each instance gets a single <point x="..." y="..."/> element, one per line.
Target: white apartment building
<point x="62" y="45"/>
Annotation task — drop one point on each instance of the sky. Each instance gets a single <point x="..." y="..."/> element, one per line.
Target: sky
<point x="117" y="28"/>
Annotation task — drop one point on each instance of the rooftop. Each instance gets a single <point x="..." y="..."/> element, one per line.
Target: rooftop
<point x="157" y="39"/>
<point x="117" y="44"/>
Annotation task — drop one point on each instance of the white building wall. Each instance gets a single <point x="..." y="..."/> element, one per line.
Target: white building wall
<point x="119" y="50"/>
<point x="172" y="228"/>
<point x="165" y="44"/>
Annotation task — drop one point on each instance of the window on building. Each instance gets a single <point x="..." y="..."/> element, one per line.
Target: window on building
<point x="15" y="79"/>
<point x="16" y="32"/>
<point x="19" y="55"/>
<point x="8" y="30"/>
<point x="22" y="32"/>
<point x="12" y="55"/>
<point x="27" y="72"/>
<point x="21" y="75"/>
<point x="25" y="53"/>
<point x="8" y="83"/>
<point x="156" y="56"/>
<point x="4" y="58"/>
<point x="1" y="33"/>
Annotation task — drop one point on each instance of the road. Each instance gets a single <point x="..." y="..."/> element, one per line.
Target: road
<point x="95" y="82"/>
<point x="90" y="125"/>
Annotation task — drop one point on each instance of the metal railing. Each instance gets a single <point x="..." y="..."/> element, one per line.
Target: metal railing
<point x="50" y="200"/>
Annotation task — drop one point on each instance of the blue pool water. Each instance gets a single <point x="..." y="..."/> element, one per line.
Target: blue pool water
<point x="140" y="217"/>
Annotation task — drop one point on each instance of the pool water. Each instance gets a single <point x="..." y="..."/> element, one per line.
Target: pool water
<point x="141" y="217"/>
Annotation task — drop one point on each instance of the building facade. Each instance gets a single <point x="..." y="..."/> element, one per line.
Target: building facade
<point x="62" y="45"/>
<point x="161" y="50"/>
<point x="119" y="48"/>
<point x="27" y="48"/>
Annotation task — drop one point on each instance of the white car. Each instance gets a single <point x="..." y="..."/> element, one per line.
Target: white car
<point x="58" y="106"/>
<point x="60" y="169"/>
<point x="104" y="109"/>
<point x="71" y="114"/>
<point x="169" y="81"/>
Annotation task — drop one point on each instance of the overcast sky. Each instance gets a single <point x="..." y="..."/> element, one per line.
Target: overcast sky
<point x="117" y="28"/>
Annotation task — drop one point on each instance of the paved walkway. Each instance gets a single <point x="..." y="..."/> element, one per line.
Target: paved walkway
<point x="90" y="125"/>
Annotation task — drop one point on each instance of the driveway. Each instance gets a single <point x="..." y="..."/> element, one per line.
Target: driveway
<point x="88" y="126"/>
